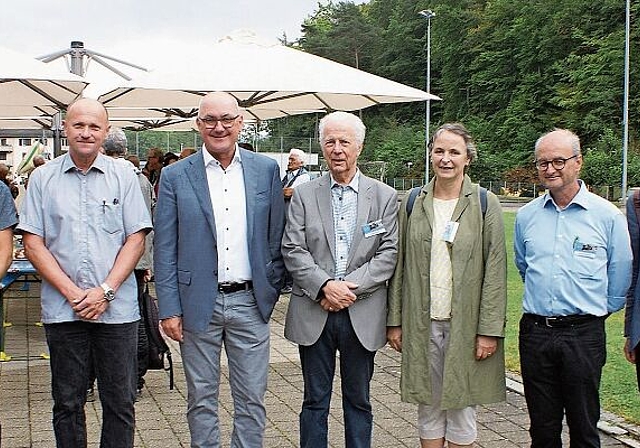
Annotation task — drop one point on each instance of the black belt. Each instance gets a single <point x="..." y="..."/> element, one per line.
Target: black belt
<point x="228" y="288"/>
<point x="562" y="321"/>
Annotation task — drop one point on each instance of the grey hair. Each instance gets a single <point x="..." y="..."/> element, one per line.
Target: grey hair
<point x="459" y="130"/>
<point x="345" y="118"/>
<point x="573" y="138"/>
<point x="298" y="153"/>
<point x="116" y="143"/>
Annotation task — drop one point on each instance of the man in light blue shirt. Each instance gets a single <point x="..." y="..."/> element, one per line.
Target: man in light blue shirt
<point x="84" y="222"/>
<point x="573" y="252"/>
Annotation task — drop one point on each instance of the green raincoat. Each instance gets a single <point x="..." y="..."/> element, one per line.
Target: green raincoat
<point x="478" y="258"/>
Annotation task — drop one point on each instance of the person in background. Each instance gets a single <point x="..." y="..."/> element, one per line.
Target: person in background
<point x="153" y="167"/>
<point x="218" y="269"/>
<point x="169" y="158"/>
<point x="88" y="292"/>
<point x="115" y="145"/>
<point x="4" y="178"/>
<point x="296" y="175"/>
<point x="450" y="328"/>
<point x="38" y="161"/>
<point x="340" y="247"/>
<point x="573" y="253"/>
<point x="186" y="152"/>
<point x="8" y="220"/>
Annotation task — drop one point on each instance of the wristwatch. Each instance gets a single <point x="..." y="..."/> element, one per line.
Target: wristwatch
<point x="109" y="293"/>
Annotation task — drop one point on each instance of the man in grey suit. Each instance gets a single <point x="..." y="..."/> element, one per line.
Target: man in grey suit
<point x="340" y="246"/>
<point x="218" y="268"/>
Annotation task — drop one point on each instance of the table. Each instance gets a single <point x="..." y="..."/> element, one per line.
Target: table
<point x="21" y="268"/>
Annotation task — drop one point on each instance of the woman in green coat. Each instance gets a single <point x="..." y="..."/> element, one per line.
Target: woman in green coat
<point x="447" y="300"/>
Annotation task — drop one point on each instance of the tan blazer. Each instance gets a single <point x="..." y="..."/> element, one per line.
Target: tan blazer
<point x="308" y="249"/>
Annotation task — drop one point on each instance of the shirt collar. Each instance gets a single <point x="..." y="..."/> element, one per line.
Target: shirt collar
<point x="581" y="198"/>
<point x="354" y="184"/>
<point x="208" y="158"/>
<point x="100" y="163"/>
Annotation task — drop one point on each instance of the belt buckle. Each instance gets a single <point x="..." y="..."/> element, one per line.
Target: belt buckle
<point x="548" y="321"/>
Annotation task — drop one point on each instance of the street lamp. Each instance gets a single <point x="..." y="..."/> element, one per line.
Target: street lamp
<point x="428" y="15"/>
<point x="625" y="106"/>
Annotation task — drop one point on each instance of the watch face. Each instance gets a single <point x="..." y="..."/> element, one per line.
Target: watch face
<point x="109" y="295"/>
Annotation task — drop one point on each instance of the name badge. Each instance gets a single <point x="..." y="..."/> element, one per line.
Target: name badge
<point x="373" y="228"/>
<point x="450" y="230"/>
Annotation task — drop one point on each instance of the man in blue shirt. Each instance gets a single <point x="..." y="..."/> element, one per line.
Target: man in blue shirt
<point x="573" y="252"/>
<point x="84" y="222"/>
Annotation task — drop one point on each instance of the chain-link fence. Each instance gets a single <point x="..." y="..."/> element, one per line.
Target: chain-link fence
<point x="513" y="189"/>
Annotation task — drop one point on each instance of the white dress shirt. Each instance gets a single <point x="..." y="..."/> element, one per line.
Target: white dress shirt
<point x="226" y="189"/>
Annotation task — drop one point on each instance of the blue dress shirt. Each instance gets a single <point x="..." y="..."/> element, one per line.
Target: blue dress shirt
<point x="575" y="260"/>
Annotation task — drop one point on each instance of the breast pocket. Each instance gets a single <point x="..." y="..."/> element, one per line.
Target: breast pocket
<point x="112" y="218"/>
<point x="588" y="264"/>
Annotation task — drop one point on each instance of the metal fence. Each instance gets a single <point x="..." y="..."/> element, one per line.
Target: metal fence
<point x="513" y="189"/>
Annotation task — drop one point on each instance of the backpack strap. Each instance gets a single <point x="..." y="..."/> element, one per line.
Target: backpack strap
<point x="413" y="194"/>
<point x="483" y="200"/>
<point x="300" y="172"/>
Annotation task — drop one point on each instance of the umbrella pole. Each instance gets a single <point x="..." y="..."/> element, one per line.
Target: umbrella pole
<point x="55" y="128"/>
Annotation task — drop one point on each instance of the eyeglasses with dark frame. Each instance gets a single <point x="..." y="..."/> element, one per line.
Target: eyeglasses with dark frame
<point x="226" y="122"/>
<point x="557" y="164"/>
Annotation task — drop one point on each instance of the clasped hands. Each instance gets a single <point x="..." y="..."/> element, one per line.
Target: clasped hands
<point x="337" y="295"/>
<point x="90" y="303"/>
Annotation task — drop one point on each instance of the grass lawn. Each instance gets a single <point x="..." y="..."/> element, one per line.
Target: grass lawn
<point x="618" y="390"/>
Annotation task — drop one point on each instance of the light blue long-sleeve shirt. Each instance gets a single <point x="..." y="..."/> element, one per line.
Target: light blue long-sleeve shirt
<point x="575" y="260"/>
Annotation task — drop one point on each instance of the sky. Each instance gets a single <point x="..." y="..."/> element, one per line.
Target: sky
<point x="142" y="32"/>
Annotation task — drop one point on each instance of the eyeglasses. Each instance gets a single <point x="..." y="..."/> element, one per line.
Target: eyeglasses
<point x="557" y="164"/>
<point x="226" y="122"/>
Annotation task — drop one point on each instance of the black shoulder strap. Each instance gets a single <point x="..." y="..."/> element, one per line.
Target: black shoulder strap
<point x="413" y="194"/>
<point x="300" y="172"/>
<point x="416" y="190"/>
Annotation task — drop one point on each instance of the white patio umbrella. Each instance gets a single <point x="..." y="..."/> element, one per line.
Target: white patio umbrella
<point x="27" y="82"/>
<point x="269" y="80"/>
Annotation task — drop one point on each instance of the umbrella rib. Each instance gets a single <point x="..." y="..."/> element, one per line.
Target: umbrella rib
<point x="43" y="93"/>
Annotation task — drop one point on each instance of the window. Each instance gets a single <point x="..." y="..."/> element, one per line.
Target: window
<point x="24" y="142"/>
<point x="4" y="142"/>
<point x="3" y="156"/>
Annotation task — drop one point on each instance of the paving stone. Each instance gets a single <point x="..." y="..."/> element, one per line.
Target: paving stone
<point x="25" y="408"/>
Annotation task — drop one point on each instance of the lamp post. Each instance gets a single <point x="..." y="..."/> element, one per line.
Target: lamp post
<point x="625" y="107"/>
<point x="428" y="15"/>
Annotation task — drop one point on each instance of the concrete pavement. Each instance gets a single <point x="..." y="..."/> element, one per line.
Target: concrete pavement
<point x="25" y="401"/>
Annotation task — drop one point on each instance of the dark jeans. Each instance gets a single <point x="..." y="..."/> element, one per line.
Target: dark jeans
<point x="143" y="339"/>
<point x="318" y="368"/>
<point x="113" y="349"/>
<point x="561" y="370"/>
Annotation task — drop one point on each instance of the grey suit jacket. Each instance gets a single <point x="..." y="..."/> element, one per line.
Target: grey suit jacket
<point x="308" y="248"/>
<point x="185" y="248"/>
